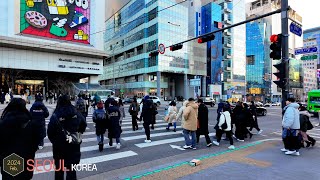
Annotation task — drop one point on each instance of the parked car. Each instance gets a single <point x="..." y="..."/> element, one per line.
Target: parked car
<point x="267" y="105"/>
<point x="128" y="100"/>
<point x="208" y="101"/>
<point x="261" y="111"/>
<point x="155" y="100"/>
<point x="276" y="104"/>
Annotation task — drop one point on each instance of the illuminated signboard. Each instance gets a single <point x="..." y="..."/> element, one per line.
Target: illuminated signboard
<point x="67" y="20"/>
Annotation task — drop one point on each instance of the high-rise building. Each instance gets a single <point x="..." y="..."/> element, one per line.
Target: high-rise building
<point x="43" y="47"/>
<point x="260" y="68"/>
<point x="137" y="29"/>
<point x="311" y="38"/>
<point x="229" y="79"/>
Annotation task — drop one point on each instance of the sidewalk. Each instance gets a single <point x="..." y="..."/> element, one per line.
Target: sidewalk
<point x="257" y="160"/>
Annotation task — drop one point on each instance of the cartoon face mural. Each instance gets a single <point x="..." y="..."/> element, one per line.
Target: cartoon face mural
<point x="67" y="20"/>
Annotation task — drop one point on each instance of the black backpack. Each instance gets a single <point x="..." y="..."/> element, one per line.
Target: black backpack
<point x="100" y="116"/>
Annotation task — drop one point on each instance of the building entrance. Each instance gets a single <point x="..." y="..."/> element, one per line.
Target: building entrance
<point x="28" y="86"/>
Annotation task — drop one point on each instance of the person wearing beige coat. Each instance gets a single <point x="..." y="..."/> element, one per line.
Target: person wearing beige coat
<point x="190" y="115"/>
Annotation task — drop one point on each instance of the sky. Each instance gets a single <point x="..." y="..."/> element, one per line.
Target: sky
<point x="308" y="9"/>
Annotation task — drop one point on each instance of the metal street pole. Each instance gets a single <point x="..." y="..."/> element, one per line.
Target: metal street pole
<point x="285" y="48"/>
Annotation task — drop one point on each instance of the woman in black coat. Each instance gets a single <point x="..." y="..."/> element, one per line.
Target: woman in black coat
<point x="305" y="125"/>
<point x="39" y="114"/>
<point x="239" y="120"/>
<point x="68" y="118"/>
<point x="203" y="123"/>
<point x="18" y="135"/>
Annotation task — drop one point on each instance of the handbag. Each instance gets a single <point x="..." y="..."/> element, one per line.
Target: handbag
<point x="71" y="137"/>
<point x="166" y="118"/>
<point x="224" y="125"/>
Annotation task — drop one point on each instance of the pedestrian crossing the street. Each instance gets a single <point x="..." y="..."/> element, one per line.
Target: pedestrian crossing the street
<point x="130" y="141"/>
<point x="315" y="133"/>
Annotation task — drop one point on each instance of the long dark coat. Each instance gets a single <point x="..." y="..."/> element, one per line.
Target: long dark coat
<point x="148" y="112"/>
<point x="18" y="135"/>
<point x="114" y="124"/>
<point x="39" y="113"/>
<point x="72" y="121"/>
<point x="203" y="120"/>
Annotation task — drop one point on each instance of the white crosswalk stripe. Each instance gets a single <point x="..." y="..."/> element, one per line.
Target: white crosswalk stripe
<point x="128" y="137"/>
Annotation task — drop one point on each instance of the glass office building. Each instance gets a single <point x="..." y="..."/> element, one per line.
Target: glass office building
<point x="138" y="29"/>
<point x="258" y="72"/>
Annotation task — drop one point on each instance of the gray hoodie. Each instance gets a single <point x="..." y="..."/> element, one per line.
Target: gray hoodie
<point x="291" y="118"/>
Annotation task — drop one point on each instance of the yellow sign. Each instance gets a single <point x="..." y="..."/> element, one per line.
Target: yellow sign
<point x="254" y="90"/>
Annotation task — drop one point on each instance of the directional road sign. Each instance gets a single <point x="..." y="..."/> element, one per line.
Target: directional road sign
<point x="296" y="29"/>
<point x="311" y="57"/>
<point x="306" y="50"/>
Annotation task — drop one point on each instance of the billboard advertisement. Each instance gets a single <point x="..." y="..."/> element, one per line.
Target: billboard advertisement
<point x="67" y="20"/>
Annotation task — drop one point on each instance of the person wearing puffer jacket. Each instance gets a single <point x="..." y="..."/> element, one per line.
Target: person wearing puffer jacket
<point x="305" y="125"/>
<point x="291" y="126"/>
<point x="224" y="117"/>
<point x="190" y="115"/>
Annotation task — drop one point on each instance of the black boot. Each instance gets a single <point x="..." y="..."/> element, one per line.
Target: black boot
<point x="100" y="146"/>
<point x="313" y="141"/>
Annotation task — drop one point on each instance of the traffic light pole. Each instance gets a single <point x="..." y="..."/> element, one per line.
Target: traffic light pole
<point x="285" y="49"/>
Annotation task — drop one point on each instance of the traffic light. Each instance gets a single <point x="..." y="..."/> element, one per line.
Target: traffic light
<point x="206" y="38"/>
<point x="275" y="47"/>
<point x="281" y="82"/>
<point x="153" y="53"/>
<point x="176" y="47"/>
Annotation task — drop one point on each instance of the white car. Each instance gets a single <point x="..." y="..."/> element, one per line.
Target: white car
<point x="155" y="100"/>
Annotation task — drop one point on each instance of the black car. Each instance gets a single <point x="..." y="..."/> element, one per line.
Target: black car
<point x="128" y="100"/>
<point x="261" y="111"/>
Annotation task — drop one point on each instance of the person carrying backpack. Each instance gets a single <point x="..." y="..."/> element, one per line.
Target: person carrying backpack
<point x="100" y="118"/>
<point x="134" y="109"/>
<point x="81" y="106"/>
<point x="64" y="132"/>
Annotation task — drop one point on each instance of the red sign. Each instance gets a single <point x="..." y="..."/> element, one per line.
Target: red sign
<point x="162" y="49"/>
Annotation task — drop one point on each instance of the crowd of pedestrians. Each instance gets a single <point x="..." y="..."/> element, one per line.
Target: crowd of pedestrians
<point x="22" y="131"/>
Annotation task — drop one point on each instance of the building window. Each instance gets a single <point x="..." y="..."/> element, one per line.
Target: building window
<point x="191" y="3"/>
<point x="199" y="15"/>
<point x="250" y="60"/>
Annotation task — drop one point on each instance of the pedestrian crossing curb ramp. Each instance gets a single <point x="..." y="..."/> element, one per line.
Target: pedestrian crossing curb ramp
<point x="187" y="162"/>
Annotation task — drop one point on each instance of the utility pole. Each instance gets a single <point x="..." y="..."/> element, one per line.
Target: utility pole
<point x="285" y="49"/>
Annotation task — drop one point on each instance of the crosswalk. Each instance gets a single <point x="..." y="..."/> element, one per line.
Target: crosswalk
<point x="130" y="141"/>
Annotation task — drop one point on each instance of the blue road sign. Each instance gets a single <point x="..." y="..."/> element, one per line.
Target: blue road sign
<point x="295" y="29"/>
<point x="306" y="50"/>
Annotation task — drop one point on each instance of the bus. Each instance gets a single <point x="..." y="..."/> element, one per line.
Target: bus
<point x="314" y="101"/>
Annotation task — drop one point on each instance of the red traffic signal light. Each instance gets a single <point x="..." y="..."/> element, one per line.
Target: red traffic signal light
<point x="275" y="47"/>
<point x="206" y="38"/>
<point x="153" y="53"/>
<point x="176" y="47"/>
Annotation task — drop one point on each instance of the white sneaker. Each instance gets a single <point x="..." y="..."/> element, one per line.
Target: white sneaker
<point x="317" y="125"/>
<point x="290" y="152"/>
<point x="240" y="140"/>
<point x="118" y="146"/>
<point x="216" y="143"/>
<point x="40" y="147"/>
<point x="147" y="141"/>
<point x="231" y="147"/>
<point x="296" y="154"/>
<point x="260" y="131"/>
<point x="187" y="147"/>
<point x="284" y="150"/>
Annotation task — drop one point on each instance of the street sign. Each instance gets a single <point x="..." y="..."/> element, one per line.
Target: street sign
<point x="306" y="50"/>
<point x="311" y="57"/>
<point x="296" y="29"/>
<point x="162" y="48"/>
<point x="195" y="82"/>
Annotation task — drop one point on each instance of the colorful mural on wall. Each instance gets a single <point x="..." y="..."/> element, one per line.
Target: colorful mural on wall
<point x="58" y="19"/>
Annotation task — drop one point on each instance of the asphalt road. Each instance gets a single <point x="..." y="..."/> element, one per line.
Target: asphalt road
<point x="134" y="152"/>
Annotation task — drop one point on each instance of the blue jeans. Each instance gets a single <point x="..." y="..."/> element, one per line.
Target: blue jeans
<point x="100" y="138"/>
<point x="189" y="142"/>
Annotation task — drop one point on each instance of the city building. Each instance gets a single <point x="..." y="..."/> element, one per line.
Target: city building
<point x="138" y="29"/>
<point x="311" y="38"/>
<point x="44" y="47"/>
<point x="227" y="56"/>
<point x="260" y="84"/>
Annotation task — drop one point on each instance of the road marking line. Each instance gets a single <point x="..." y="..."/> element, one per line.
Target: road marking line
<point x="152" y="135"/>
<point x="94" y="160"/>
<point x="82" y="149"/>
<point x="165" y="141"/>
